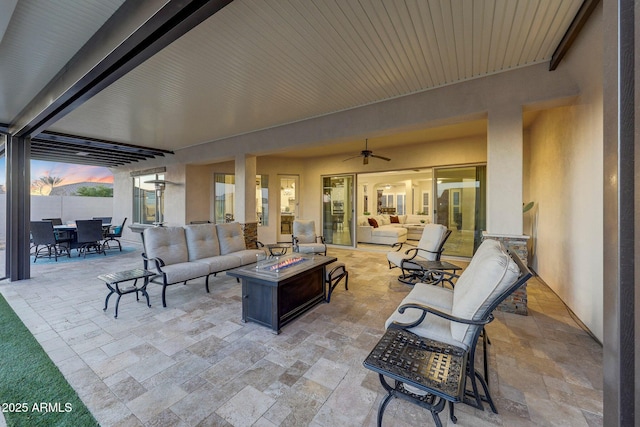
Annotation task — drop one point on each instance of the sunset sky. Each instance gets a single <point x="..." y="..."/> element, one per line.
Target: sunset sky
<point x="68" y="172"/>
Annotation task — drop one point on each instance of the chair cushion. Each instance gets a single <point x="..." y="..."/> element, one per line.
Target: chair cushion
<point x="304" y="230"/>
<point x="430" y="240"/>
<point x="202" y="241"/>
<point x="167" y="243"/>
<point x="309" y="248"/>
<point x="230" y="238"/>
<point x="490" y="272"/>
<point x="433" y="327"/>
<point x="433" y="296"/>
<point x="373" y="222"/>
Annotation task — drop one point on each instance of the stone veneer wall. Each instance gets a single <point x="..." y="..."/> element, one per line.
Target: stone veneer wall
<point x="517" y="301"/>
<point x="250" y="234"/>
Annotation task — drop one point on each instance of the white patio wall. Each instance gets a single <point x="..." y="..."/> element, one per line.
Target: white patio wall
<point x="69" y="208"/>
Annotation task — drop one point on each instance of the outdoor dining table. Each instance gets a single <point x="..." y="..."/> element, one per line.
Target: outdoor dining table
<point x="71" y="229"/>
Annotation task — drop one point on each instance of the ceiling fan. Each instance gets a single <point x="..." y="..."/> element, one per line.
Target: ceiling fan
<point x="366" y="153"/>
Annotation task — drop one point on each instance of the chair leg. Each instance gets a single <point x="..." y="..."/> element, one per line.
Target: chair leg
<point x="164" y="300"/>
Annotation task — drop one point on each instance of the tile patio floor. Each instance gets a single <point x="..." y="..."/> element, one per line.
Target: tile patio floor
<point x="195" y="363"/>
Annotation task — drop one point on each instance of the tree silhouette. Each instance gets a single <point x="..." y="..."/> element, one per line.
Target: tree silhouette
<point x="51" y="181"/>
<point x="37" y="186"/>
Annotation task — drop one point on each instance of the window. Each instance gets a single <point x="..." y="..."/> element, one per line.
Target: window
<point x="224" y="196"/>
<point x="148" y="203"/>
<point x="224" y="193"/>
<point x="425" y="202"/>
<point x="400" y="198"/>
<point x="387" y="200"/>
<point x="262" y="199"/>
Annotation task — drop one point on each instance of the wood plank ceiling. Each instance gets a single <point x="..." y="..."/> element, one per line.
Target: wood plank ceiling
<point x="263" y="63"/>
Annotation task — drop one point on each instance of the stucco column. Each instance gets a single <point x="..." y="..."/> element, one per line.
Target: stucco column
<point x="504" y="191"/>
<point x="504" y="171"/>
<point x="245" y="200"/>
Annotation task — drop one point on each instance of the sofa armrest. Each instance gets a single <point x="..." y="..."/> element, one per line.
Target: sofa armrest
<point x="365" y="233"/>
<point x="157" y="262"/>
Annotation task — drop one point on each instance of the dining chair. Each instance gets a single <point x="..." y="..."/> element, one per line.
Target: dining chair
<point x="106" y="220"/>
<point x="54" y="221"/>
<point x="89" y="236"/>
<point x="113" y="235"/>
<point x="45" y="241"/>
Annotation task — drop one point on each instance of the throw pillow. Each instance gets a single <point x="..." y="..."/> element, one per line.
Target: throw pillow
<point x="394" y="219"/>
<point x="373" y="223"/>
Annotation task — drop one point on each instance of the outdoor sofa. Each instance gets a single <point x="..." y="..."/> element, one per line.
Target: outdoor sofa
<point x="384" y="230"/>
<point x="180" y="254"/>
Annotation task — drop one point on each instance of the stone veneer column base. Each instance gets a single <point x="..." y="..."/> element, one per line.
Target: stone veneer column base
<point x="517" y="301"/>
<point x="250" y="231"/>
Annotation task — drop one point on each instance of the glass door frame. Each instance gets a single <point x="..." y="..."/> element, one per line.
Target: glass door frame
<point x="329" y="206"/>
<point x="479" y="218"/>
<point x="281" y="234"/>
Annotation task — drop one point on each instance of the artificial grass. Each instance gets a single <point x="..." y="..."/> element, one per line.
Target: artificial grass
<point x="33" y="392"/>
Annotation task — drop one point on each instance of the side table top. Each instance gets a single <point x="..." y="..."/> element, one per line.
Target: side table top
<point x="123" y="276"/>
<point x="429" y="365"/>
<point x="435" y="265"/>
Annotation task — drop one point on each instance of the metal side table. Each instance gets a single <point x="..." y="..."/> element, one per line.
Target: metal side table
<point x="427" y="373"/>
<point x="113" y="281"/>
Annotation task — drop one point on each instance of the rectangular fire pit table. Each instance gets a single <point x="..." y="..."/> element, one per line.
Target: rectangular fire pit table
<point x="425" y="372"/>
<point x="280" y="289"/>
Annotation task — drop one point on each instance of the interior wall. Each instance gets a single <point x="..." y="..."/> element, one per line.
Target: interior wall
<point x="566" y="182"/>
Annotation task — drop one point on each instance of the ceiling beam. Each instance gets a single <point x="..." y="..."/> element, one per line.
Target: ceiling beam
<point x="99" y="144"/>
<point x="134" y="33"/>
<point x="581" y="18"/>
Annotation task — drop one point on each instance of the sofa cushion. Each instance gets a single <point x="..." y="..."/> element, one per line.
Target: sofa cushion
<point x="202" y="241"/>
<point x="230" y="238"/>
<point x="363" y="220"/>
<point x="220" y="263"/>
<point x="490" y="272"/>
<point x="373" y="222"/>
<point x="394" y="219"/>
<point x="184" y="271"/>
<point x="389" y="231"/>
<point x="167" y="243"/>
<point x="248" y="256"/>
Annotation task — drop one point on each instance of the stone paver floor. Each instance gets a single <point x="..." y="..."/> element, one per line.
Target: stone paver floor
<point x="195" y="363"/>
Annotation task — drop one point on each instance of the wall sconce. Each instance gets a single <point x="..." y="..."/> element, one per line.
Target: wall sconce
<point x="159" y="185"/>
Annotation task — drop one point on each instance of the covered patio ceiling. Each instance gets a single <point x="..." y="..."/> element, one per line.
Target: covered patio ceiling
<point x="141" y="79"/>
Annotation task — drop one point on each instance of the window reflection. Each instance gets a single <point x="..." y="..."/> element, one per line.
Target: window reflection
<point x="145" y="201"/>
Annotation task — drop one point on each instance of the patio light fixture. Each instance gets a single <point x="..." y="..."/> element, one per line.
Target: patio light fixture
<point x="159" y="186"/>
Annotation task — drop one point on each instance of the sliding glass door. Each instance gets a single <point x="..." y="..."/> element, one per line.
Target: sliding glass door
<point x="460" y="205"/>
<point x="338" y="209"/>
